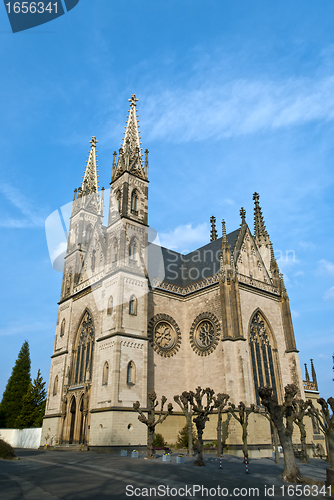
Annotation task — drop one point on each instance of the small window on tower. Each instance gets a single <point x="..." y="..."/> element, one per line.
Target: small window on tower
<point x="115" y="252"/>
<point x="134" y="202"/>
<point x="133" y="251"/>
<point x="133" y="305"/>
<point x="55" y="386"/>
<point x="119" y="202"/>
<point x="62" y="328"/>
<point x="110" y="306"/>
<point x="105" y="374"/>
<point x="131" y="373"/>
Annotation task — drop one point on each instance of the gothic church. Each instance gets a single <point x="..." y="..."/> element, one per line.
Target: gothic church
<point x="134" y="317"/>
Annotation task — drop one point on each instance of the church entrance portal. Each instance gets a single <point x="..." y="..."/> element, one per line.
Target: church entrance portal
<point x="73" y="414"/>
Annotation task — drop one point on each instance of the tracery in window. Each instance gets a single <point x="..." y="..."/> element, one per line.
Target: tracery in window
<point x="262" y="355"/>
<point x="83" y="352"/>
<point x="133" y="305"/>
<point x="88" y="234"/>
<point x="105" y="374"/>
<point x="110" y="306"/>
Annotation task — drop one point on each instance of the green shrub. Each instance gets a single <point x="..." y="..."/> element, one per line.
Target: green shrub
<point x="182" y="438"/>
<point x="159" y="441"/>
<point x="6" y="451"/>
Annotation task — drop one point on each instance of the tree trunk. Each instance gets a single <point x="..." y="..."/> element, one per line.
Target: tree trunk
<point x="199" y="460"/>
<point x="291" y="472"/>
<point x="244" y="440"/>
<point x="150" y="439"/>
<point x="330" y="448"/>
<point x="304" y="457"/>
<point x="190" y="436"/>
<point x="275" y="439"/>
<point x="219" y="434"/>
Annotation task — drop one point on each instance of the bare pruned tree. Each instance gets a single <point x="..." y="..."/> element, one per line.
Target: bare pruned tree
<point x="325" y="419"/>
<point x="184" y="404"/>
<point x="150" y="420"/>
<point x="241" y="415"/>
<point x="221" y="402"/>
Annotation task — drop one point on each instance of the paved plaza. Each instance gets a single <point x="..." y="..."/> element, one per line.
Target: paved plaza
<point x="76" y="475"/>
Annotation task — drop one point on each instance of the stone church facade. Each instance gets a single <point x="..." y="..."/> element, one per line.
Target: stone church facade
<point x="134" y="317"/>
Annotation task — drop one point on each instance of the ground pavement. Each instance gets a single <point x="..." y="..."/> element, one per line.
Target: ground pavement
<point x="76" y="475"/>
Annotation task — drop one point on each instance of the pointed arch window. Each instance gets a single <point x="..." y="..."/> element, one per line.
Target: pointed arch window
<point x="263" y="355"/>
<point x="62" y="328"/>
<point x="68" y="281"/>
<point x="131" y="373"/>
<point x="84" y="350"/>
<point x="134" y="202"/>
<point x="133" y="251"/>
<point x="110" y="306"/>
<point x="105" y="374"/>
<point x="133" y="305"/>
<point x="55" y="386"/>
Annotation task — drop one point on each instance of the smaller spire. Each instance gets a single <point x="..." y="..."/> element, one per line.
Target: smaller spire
<point x="243" y="216"/>
<point x="284" y="293"/>
<point x="224" y="231"/>
<point x="260" y="231"/>
<point x="90" y="182"/>
<point x="307" y="377"/>
<point x="213" y="234"/>
<point x="146" y="163"/>
<point x="314" y="377"/>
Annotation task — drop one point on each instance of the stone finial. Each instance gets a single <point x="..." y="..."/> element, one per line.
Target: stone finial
<point x="133" y="100"/>
<point x="243" y="215"/>
<point x="307" y="377"/>
<point x="314" y="376"/>
<point x="224" y="230"/>
<point x="94" y="141"/>
<point x="213" y="234"/>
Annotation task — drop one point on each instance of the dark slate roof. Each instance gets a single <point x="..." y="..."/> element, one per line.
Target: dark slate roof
<point x="183" y="270"/>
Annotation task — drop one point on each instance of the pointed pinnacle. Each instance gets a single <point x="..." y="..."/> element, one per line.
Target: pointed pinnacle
<point x="213" y="234"/>
<point x="307" y="377"/>
<point x="224" y="230"/>
<point x="243" y="215"/>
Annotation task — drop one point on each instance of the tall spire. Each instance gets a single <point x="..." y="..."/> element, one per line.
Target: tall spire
<point x="260" y="232"/>
<point x="130" y="157"/>
<point x="213" y="233"/>
<point x="90" y="182"/>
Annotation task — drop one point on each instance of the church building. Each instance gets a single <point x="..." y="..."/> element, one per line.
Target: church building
<point x="134" y="316"/>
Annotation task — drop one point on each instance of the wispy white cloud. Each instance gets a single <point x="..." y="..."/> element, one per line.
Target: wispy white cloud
<point x="185" y="238"/>
<point x="329" y="294"/>
<point x="235" y="107"/>
<point x="31" y="215"/>
<point x="25" y="328"/>
<point x="325" y="268"/>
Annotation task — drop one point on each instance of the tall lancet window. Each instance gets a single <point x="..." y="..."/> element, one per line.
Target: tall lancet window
<point x="262" y="354"/>
<point x="134" y="202"/>
<point x="84" y="350"/>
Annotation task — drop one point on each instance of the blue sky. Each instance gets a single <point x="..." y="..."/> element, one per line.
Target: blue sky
<point x="233" y="97"/>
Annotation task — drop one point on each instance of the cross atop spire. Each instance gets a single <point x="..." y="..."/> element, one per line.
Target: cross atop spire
<point x="133" y="100"/>
<point x="90" y="182"/>
<point x="260" y="232"/>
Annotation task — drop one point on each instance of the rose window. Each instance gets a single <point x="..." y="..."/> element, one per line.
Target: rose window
<point x="164" y="335"/>
<point x="204" y="334"/>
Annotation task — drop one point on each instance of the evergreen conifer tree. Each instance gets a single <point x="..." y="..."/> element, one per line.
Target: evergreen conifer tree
<point x="16" y="388"/>
<point x="33" y="407"/>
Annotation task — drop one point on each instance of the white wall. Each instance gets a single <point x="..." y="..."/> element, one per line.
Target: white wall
<point x="22" y="438"/>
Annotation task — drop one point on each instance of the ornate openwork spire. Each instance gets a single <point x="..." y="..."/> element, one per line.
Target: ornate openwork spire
<point x="130" y="157"/>
<point x="213" y="234"/>
<point x="260" y="231"/>
<point x="90" y="182"/>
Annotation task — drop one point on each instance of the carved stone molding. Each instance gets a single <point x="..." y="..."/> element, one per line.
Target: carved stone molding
<point x="164" y="335"/>
<point x="204" y="334"/>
